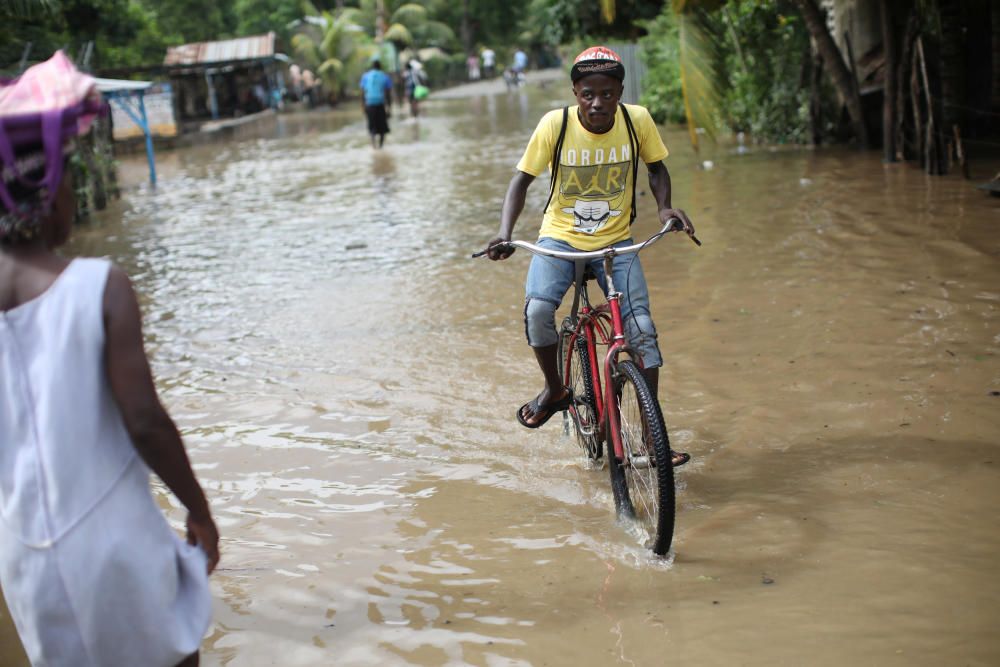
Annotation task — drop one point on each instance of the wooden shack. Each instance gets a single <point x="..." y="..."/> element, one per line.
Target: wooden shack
<point x="225" y="79"/>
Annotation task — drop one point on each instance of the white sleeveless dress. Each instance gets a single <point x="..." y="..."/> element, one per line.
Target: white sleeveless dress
<point x="92" y="573"/>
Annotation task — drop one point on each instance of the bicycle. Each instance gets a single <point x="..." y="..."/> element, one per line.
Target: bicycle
<point x="621" y="413"/>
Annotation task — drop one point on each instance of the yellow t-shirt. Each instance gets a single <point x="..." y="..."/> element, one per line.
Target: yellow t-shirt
<point x="592" y="203"/>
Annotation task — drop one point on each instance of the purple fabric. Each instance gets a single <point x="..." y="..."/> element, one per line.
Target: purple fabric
<point x="48" y="129"/>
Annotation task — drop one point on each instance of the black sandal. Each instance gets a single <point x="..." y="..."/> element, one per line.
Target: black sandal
<point x="549" y="409"/>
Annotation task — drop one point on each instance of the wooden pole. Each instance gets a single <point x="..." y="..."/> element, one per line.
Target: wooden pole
<point x="815" y="99"/>
<point x="918" y="121"/>
<point x="855" y="87"/>
<point x="930" y="143"/>
<point x="904" y="61"/>
<point x="889" y="87"/>
<point x="995" y="33"/>
<point x="960" y="151"/>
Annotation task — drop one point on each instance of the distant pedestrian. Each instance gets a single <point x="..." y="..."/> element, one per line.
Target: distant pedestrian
<point x="472" y="63"/>
<point x="410" y="83"/>
<point x="414" y="84"/>
<point x="309" y="87"/>
<point x="489" y="62"/>
<point x="295" y="76"/>
<point x="520" y="62"/>
<point x="376" y="100"/>
<point x="92" y="572"/>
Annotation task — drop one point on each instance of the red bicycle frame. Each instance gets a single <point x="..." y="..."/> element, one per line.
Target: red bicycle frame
<point x="593" y="324"/>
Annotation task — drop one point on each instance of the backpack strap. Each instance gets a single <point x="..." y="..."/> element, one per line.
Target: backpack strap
<point x="555" y="159"/>
<point x="633" y="140"/>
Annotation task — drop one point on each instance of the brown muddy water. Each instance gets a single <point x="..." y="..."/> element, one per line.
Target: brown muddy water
<point x="346" y="378"/>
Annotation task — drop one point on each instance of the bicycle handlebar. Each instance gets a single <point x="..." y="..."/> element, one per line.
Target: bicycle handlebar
<point x="593" y="254"/>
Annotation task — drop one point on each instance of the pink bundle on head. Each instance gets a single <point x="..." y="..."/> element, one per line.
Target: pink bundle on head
<point x="43" y="108"/>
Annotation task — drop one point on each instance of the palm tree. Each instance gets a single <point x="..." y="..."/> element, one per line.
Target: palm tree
<point x="697" y="62"/>
<point x="416" y="20"/>
<point x="335" y="47"/>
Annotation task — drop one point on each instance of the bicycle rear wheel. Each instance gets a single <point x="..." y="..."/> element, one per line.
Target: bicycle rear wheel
<point x="643" y="482"/>
<point x="583" y="414"/>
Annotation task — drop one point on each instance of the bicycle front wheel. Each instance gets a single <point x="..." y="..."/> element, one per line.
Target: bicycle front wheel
<point x="575" y="368"/>
<point x="646" y="469"/>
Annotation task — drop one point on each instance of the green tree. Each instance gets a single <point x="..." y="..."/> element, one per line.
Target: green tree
<point x="765" y="44"/>
<point x="488" y="23"/>
<point x="256" y="17"/>
<point x="335" y="47"/>
<point x="123" y="32"/>
<point x="185" y="21"/>
<point x="556" y="22"/>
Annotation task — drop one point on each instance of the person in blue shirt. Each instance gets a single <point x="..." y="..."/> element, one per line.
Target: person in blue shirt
<point x="376" y="99"/>
<point x="520" y="61"/>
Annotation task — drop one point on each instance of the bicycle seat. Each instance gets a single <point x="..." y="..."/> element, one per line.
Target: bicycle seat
<point x="588" y="274"/>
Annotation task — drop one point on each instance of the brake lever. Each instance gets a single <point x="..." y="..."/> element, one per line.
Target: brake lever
<point x="486" y="250"/>
<point x="680" y="228"/>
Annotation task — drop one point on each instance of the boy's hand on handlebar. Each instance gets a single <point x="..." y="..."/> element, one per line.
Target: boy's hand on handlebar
<point x="499" y="248"/>
<point x="686" y="226"/>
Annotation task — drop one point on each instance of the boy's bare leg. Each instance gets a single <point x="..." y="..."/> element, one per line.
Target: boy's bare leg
<point x="548" y="361"/>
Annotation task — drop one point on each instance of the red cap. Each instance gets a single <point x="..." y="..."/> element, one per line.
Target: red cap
<point x="597" y="53"/>
<point x="597" y="60"/>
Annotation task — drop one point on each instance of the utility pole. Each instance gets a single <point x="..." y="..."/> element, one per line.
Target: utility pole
<point x="379" y="21"/>
<point x="466" y="28"/>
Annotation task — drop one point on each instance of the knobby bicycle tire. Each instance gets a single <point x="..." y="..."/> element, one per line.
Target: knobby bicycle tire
<point x="580" y="382"/>
<point x="643" y="482"/>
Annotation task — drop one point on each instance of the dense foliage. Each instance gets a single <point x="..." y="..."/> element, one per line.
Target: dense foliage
<point x="123" y="31"/>
<point x="755" y="51"/>
<point x="761" y="50"/>
<point x="554" y="22"/>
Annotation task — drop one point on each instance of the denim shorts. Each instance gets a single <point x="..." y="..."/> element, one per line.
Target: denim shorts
<point x="549" y="279"/>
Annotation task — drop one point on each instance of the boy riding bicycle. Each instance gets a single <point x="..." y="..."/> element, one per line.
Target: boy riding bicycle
<point x="593" y="149"/>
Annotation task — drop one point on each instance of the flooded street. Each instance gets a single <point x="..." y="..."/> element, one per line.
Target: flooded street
<point x="346" y="377"/>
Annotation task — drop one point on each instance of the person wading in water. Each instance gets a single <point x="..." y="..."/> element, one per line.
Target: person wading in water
<point x="376" y="100"/>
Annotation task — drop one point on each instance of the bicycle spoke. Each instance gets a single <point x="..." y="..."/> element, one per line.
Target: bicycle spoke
<point x="640" y="463"/>
<point x="583" y="414"/>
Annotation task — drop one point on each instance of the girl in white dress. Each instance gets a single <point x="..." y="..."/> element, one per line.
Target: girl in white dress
<point x="92" y="573"/>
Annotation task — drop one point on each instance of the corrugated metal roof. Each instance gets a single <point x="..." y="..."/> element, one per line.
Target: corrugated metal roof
<point x="229" y="50"/>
